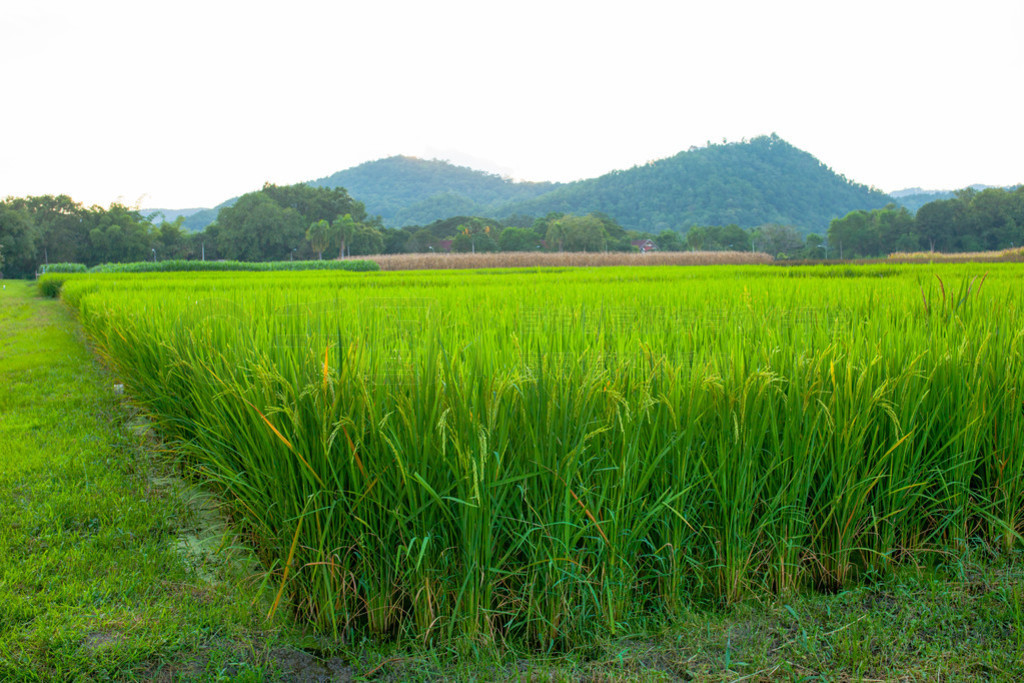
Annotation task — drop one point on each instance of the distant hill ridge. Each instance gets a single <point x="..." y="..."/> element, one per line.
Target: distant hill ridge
<point x="406" y="190"/>
<point x="750" y="183"/>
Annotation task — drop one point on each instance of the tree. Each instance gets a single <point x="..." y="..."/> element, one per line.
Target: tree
<point x="365" y="241"/>
<point x="852" y="235"/>
<point x="669" y="240"/>
<point x="782" y="241"/>
<point x="555" y="235"/>
<point x="395" y="241"/>
<point x="19" y="240"/>
<point x="814" y="247"/>
<point x="171" y="241"/>
<point x="473" y="237"/>
<point x="577" y="233"/>
<point x="934" y="224"/>
<point x="316" y="203"/>
<point x="421" y="241"/>
<point x="320" y="235"/>
<point x="518" y="239"/>
<point x="345" y="227"/>
<point x="257" y="228"/>
<point x="732" y="237"/>
<point x="62" y="227"/>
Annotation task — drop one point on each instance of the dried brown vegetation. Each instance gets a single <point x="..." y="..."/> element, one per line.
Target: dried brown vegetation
<point x="1009" y="255"/>
<point x="526" y="259"/>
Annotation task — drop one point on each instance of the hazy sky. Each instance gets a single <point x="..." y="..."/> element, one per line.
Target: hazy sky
<point x="182" y="104"/>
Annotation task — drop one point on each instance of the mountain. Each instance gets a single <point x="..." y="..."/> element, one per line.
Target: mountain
<point x="750" y="183"/>
<point x="914" y="197"/>
<point x="764" y="180"/>
<point x="406" y="190"/>
<point x="169" y="215"/>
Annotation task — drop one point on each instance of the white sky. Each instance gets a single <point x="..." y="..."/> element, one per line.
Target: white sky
<point x="183" y="104"/>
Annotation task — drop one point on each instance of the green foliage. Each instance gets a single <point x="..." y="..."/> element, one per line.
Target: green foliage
<point x="242" y="266"/>
<point x="366" y="240"/>
<point x="19" y="240"/>
<point x="344" y="228"/>
<point x="718" y="238"/>
<point x="321" y="235"/>
<point x="989" y="220"/>
<point x="669" y="240"/>
<point x="37" y="231"/>
<point x="780" y="241"/>
<point x="421" y="242"/>
<point x="518" y="239"/>
<point x="762" y="181"/>
<point x="765" y="180"/>
<point x="257" y="228"/>
<point x="100" y="581"/>
<point x="511" y="458"/>
<point x="410" y="191"/>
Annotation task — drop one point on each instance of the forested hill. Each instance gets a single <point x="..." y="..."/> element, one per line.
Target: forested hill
<point x="406" y="190"/>
<point x="765" y="180"/>
<point x="751" y="183"/>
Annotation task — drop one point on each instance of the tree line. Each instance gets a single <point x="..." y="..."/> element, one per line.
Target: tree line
<point x="302" y="222"/>
<point x="988" y="220"/>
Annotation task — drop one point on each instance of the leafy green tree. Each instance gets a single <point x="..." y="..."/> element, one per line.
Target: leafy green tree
<point x="669" y="240"/>
<point x="366" y="241"/>
<point x="697" y="238"/>
<point x="395" y="241"/>
<point x="172" y="242"/>
<point x="316" y="203"/>
<point x="421" y="241"/>
<point x="555" y="236"/>
<point x="518" y="239"/>
<point x="320" y="235"/>
<point x="781" y="241"/>
<point x="731" y="237"/>
<point x="934" y="224"/>
<point x="19" y="239"/>
<point x="345" y="228"/>
<point x="542" y="225"/>
<point x="814" y="247"/>
<point x="257" y="228"/>
<point x="63" y="227"/>
<point x="474" y="237"/>
<point x="584" y="233"/>
<point x="852" y="235"/>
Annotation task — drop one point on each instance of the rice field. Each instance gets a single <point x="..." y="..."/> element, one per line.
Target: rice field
<point x="552" y="455"/>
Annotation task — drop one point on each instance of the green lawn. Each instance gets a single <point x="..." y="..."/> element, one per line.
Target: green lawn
<point x="108" y="570"/>
<point x="115" y="569"/>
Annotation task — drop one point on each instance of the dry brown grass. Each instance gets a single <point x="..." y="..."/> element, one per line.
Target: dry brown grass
<point x="1010" y="255"/>
<point x="528" y="259"/>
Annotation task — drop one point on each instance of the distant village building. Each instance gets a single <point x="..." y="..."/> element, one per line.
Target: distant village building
<point x="445" y="245"/>
<point x="644" y="246"/>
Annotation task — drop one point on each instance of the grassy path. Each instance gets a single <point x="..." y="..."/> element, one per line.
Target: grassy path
<point x="102" y="573"/>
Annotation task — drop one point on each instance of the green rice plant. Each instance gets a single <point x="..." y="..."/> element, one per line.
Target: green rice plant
<point x="556" y="455"/>
<point x="62" y="268"/>
<point x="182" y="265"/>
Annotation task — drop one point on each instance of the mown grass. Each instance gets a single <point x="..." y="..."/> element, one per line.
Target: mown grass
<point x="108" y="571"/>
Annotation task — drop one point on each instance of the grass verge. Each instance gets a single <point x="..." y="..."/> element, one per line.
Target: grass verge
<point x="110" y="569"/>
